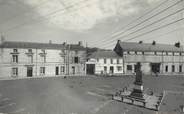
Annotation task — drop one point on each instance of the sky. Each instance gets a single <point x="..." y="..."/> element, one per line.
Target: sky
<point x="97" y="23"/>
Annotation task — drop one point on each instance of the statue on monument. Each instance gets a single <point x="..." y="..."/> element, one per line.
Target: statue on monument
<point x="138" y="78"/>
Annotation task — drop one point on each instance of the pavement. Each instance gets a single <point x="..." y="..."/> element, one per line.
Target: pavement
<point x="85" y="95"/>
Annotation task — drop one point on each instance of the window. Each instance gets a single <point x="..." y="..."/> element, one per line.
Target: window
<point x="29" y="50"/>
<point x="15" y="50"/>
<point x="30" y="59"/>
<point x="62" y="69"/>
<point x="105" y="61"/>
<point x="136" y="52"/>
<point x="166" y="68"/>
<point x="57" y="70"/>
<point x="143" y="52"/>
<point x="180" y="68"/>
<point x="76" y="59"/>
<point x="43" y="51"/>
<point x="111" y="61"/>
<point x="118" y="61"/>
<point x="43" y="59"/>
<point x="129" y="67"/>
<point x="105" y="69"/>
<point x="42" y="70"/>
<point x="173" y="68"/>
<point x="155" y="53"/>
<point x="119" y="68"/>
<point x="97" y="59"/>
<point x="63" y="60"/>
<point x="15" y="58"/>
<point x="14" y="71"/>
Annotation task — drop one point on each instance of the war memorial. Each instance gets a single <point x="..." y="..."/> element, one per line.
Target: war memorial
<point x="137" y="97"/>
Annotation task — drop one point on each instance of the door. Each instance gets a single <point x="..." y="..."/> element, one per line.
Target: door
<point x="111" y="69"/>
<point x="90" y="69"/>
<point x="155" y="67"/>
<point x="73" y="70"/>
<point x="29" y="71"/>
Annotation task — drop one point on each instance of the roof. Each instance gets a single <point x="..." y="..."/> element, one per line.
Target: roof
<point x="104" y="54"/>
<point x="132" y="46"/>
<point x="34" y="45"/>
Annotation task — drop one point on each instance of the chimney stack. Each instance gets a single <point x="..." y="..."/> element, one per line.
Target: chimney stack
<point x="80" y="43"/>
<point x="154" y="42"/>
<point x="64" y="43"/>
<point x="119" y="41"/>
<point x="177" y="44"/>
<point x="140" y="42"/>
<point x="50" y="41"/>
<point x="2" y="39"/>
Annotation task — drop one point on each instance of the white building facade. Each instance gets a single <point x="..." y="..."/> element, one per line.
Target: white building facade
<point x="27" y="59"/>
<point x="154" y="58"/>
<point x="104" y="63"/>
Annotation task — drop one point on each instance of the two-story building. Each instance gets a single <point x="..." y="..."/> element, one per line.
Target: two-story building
<point x="104" y="63"/>
<point x="30" y="59"/>
<point x="155" y="58"/>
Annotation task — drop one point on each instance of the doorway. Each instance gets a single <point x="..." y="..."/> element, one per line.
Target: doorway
<point x="155" y="67"/>
<point x="29" y="71"/>
<point x="90" y="68"/>
<point x="111" y="69"/>
<point x="73" y="70"/>
<point x="57" y="70"/>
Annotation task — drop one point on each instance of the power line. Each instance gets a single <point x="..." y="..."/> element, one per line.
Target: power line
<point x="140" y="17"/>
<point x="157" y="21"/>
<point x="158" y="36"/>
<point x="114" y="37"/>
<point x="50" y="14"/>
<point x="152" y="30"/>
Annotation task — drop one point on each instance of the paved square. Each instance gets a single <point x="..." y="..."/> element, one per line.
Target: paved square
<point x="85" y="95"/>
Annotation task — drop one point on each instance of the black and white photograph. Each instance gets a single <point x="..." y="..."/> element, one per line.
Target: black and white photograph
<point x="91" y="56"/>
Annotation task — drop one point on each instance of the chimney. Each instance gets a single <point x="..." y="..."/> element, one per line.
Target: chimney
<point x="80" y="43"/>
<point x="177" y="44"/>
<point x="2" y="39"/>
<point x="64" y="43"/>
<point x="140" y="42"/>
<point x="119" y="41"/>
<point x="50" y="41"/>
<point x="154" y="42"/>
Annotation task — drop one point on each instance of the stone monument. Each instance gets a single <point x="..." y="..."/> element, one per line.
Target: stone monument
<point x="137" y="96"/>
<point x="138" y="83"/>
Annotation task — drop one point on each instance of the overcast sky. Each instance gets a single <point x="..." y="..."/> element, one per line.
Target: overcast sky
<point x="89" y="21"/>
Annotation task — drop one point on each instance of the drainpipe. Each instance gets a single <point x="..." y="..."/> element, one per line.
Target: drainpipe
<point x="162" y="62"/>
<point x="36" y="60"/>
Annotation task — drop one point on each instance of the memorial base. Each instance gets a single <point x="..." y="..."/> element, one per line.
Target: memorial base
<point x="147" y="101"/>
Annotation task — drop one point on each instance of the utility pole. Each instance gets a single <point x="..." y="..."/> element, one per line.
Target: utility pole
<point x="68" y="59"/>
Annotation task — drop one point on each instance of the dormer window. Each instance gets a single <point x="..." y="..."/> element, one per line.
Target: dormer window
<point x="15" y="50"/>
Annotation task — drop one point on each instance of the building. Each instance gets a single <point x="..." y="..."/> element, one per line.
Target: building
<point x="29" y="59"/>
<point x="155" y="58"/>
<point x="104" y="63"/>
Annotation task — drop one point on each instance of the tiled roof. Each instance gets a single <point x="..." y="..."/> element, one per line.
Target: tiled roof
<point x="132" y="46"/>
<point x="104" y="54"/>
<point x="34" y="45"/>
